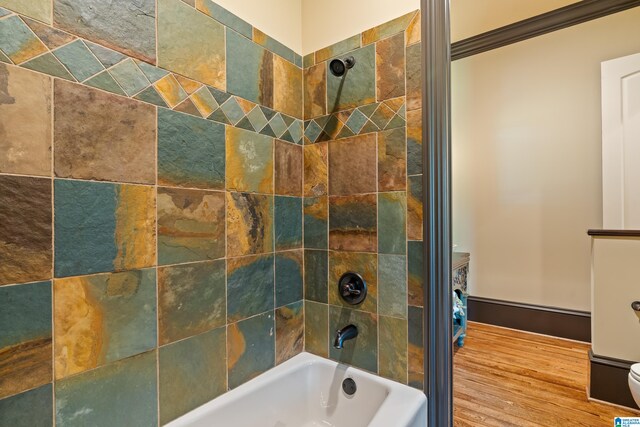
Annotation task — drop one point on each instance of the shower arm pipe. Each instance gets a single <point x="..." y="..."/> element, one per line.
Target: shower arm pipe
<point x="436" y="196"/>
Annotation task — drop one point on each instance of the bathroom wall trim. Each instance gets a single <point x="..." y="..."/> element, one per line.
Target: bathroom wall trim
<point x="613" y="233"/>
<point x="554" y="20"/>
<point x="608" y="380"/>
<point x="557" y="322"/>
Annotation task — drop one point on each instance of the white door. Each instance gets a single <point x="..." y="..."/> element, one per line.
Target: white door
<point x="621" y="143"/>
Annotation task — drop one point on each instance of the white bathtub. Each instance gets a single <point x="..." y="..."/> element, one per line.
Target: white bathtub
<point x="306" y="391"/>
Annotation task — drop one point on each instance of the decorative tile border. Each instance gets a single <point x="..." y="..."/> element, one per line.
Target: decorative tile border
<point x="369" y="118"/>
<point x="35" y="46"/>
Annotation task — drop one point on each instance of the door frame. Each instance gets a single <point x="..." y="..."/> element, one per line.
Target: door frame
<point x="437" y="54"/>
<point x="436" y="197"/>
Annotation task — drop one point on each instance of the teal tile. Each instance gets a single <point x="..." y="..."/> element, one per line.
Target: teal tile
<point x="339" y="48"/>
<point x="396" y="122"/>
<point x="345" y="133"/>
<point x="361" y="351"/>
<point x="191" y="300"/>
<point x="416" y="281"/>
<point x="392" y="285"/>
<point x="289" y="281"/>
<point x="219" y="117"/>
<point x="268" y="131"/>
<point x="129" y="76"/>
<point x="18" y="42"/>
<point x="25" y="342"/>
<point x="268" y="112"/>
<point x="116" y="24"/>
<point x="225" y="17"/>
<point x="316" y="217"/>
<point x="257" y="119"/>
<point x="251" y="348"/>
<point x="191" y="151"/>
<point x="297" y="60"/>
<point x="316" y="328"/>
<point x="414" y="142"/>
<point x="312" y="131"/>
<point x="288" y="221"/>
<point x="121" y="307"/>
<point x="316" y="275"/>
<point x="102" y="227"/>
<point x="232" y="110"/>
<point x="4" y="12"/>
<point x="296" y="131"/>
<point x="368" y="110"/>
<point x="250" y="286"/>
<point x="382" y="116"/>
<point x="123" y="393"/>
<point x="4" y="58"/>
<point x="151" y="96"/>
<point x="289" y="331"/>
<point x="79" y="60"/>
<point x="356" y="121"/>
<point x="153" y="73"/>
<point x="192" y="372"/>
<point x="104" y="81"/>
<point x="107" y="57"/>
<point x="287" y="137"/>
<point x="392" y="223"/>
<point x="249" y="70"/>
<point x="278" y="125"/>
<point x="220" y="96"/>
<point x="245" y="124"/>
<point x="357" y="87"/>
<point x="49" y="64"/>
<point x="33" y="408"/>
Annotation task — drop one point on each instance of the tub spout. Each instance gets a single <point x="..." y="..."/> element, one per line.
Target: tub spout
<point x="347" y="333"/>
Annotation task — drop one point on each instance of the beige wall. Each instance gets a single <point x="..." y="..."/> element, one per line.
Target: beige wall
<point x="527" y="161"/>
<point x="471" y="17"/>
<point x="280" y="19"/>
<point x="615" y="326"/>
<point x="329" y="21"/>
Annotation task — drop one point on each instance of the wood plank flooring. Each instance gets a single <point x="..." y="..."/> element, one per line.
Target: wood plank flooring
<point x="504" y="377"/>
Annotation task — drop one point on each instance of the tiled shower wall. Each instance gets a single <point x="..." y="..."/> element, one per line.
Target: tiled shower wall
<point x="362" y="199"/>
<point x="150" y="209"/>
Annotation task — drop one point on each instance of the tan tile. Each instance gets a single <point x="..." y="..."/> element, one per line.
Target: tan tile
<point x="25" y="122"/>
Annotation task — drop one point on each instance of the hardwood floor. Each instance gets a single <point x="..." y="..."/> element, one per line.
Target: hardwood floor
<point x="504" y="377"/>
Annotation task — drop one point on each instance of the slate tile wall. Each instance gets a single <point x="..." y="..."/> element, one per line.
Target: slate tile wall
<point x="362" y="207"/>
<point x="151" y="205"/>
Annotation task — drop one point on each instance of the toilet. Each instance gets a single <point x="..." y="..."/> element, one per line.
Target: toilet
<point x="634" y="382"/>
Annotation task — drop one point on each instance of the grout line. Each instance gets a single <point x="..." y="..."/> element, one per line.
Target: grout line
<point x="157" y="271"/>
<point x="53" y="254"/>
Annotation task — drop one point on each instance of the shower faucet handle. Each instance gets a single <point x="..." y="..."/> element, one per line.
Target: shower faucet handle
<point x="636" y="306"/>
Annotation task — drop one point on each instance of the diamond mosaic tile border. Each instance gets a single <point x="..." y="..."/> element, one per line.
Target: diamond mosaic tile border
<point x="77" y="60"/>
<point x="369" y="118"/>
